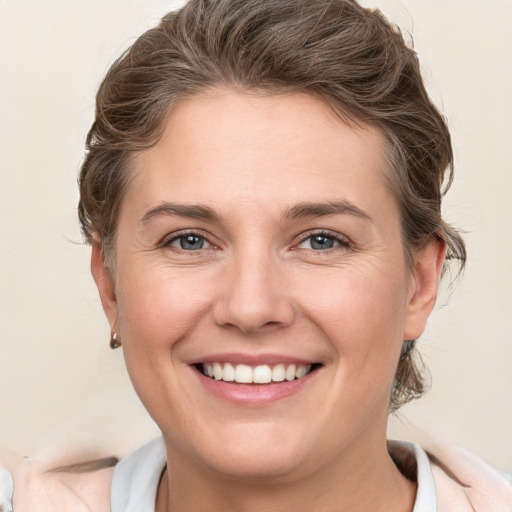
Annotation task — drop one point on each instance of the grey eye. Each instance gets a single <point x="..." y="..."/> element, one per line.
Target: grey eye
<point x="319" y="242"/>
<point x="189" y="242"/>
<point x="322" y="242"/>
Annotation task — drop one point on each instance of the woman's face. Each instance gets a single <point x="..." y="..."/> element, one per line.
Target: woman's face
<point x="259" y="240"/>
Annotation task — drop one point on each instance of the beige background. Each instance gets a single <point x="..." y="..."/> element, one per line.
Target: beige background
<point x="61" y="387"/>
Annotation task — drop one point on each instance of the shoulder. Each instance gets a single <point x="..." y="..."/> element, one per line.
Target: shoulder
<point x="76" y="488"/>
<point x="100" y="485"/>
<point x="450" y="478"/>
<point x="463" y="478"/>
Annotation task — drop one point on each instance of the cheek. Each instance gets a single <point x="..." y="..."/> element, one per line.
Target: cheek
<point x="361" y="304"/>
<point x="158" y="307"/>
<point x="361" y="314"/>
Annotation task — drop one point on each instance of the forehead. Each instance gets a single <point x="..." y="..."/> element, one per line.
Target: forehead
<point x="244" y="147"/>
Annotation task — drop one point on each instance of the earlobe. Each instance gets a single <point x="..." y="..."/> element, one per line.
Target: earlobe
<point x="428" y="265"/>
<point x="105" y="283"/>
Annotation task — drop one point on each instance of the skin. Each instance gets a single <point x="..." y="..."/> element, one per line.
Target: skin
<point x="258" y="286"/>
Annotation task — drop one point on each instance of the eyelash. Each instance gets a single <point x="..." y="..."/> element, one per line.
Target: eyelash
<point x="341" y="242"/>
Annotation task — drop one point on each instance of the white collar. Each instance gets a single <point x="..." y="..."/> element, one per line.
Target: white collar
<point x="136" y="478"/>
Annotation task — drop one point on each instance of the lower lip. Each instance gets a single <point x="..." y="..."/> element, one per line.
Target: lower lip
<point x="254" y="394"/>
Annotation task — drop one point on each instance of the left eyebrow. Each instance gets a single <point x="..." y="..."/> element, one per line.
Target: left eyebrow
<point x="339" y="207"/>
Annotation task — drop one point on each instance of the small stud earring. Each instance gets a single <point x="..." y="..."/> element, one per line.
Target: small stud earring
<point x="115" y="342"/>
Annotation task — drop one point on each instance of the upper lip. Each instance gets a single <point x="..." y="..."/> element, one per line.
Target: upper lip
<point x="251" y="359"/>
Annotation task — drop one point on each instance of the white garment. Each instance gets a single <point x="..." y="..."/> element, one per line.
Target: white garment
<point x="6" y="487"/>
<point x="136" y="479"/>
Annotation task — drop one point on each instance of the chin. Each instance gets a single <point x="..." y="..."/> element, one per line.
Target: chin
<point x="254" y="452"/>
<point x="276" y="467"/>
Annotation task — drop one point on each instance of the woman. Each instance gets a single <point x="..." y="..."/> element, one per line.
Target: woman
<point x="262" y="194"/>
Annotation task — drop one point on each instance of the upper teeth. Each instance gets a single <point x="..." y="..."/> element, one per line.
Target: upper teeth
<point x="261" y="374"/>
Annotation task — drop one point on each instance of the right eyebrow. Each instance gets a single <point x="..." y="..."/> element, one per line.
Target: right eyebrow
<point x="189" y="211"/>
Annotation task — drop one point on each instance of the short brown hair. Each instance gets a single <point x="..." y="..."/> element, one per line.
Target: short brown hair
<point x="350" y="57"/>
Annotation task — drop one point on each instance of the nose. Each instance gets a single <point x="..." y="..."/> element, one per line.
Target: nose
<point x="254" y="296"/>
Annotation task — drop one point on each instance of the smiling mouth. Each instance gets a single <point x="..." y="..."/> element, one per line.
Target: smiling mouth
<point x="261" y="374"/>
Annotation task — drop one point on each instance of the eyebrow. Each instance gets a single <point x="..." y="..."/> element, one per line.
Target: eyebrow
<point x="338" y="207"/>
<point x="189" y="211"/>
<point x="296" y="212"/>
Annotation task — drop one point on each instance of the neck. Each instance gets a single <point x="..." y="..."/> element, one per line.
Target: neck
<point x="362" y="481"/>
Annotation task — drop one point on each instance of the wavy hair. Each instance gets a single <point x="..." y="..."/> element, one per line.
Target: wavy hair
<point x="351" y="58"/>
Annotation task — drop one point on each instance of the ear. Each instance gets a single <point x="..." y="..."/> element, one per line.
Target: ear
<point x="105" y="283"/>
<point x="428" y="264"/>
